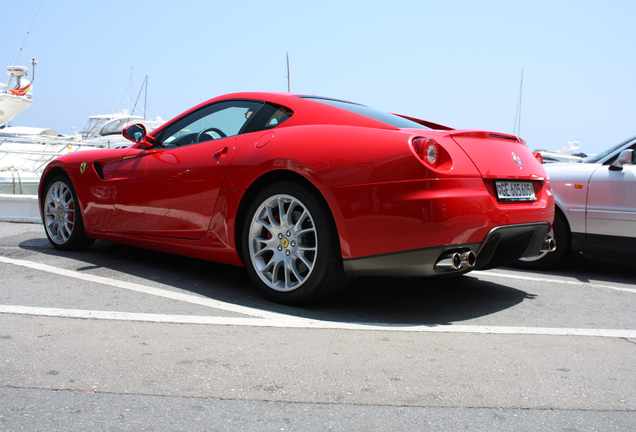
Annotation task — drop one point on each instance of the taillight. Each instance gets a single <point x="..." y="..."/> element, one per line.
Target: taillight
<point x="538" y="156"/>
<point x="428" y="150"/>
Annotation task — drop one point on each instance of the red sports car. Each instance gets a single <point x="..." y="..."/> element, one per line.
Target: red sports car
<point x="306" y="192"/>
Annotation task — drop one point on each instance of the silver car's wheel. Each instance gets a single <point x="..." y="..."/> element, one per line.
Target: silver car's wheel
<point x="290" y="244"/>
<point x="283" y="243"/>
<point x="59" y="212"/>
<point x="62" y="217"/>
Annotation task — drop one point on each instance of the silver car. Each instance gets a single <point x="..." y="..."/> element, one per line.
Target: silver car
<point x="595" y="206"/>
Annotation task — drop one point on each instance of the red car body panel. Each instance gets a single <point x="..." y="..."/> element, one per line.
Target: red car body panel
<point x="383" y="198"/>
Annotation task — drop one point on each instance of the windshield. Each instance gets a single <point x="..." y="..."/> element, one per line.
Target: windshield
<point x="117" y="126"/>
<point x="373" y="113"/>
<point x="92" y="125"/>
<point x="601" y="156"/>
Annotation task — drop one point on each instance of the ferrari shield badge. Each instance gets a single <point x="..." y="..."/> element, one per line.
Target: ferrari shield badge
<point x="82" y="167"/>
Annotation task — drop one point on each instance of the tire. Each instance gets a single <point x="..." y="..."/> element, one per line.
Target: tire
<point x="545" y="260"/>
<point x="62" y="217"/>
<point x="290" y="245"/>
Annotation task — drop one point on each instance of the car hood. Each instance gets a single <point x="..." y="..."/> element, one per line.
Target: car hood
<point x="570" y="171"/>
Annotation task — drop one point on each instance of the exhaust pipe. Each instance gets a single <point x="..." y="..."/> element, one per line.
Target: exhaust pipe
<point x="449" y="261"/>
<point x="549" y="244"/>
<point x="469" y="259"/>
<point x="456" y="260"/>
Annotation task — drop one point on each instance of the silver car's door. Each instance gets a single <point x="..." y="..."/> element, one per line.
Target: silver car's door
<point x="611" y="203"/>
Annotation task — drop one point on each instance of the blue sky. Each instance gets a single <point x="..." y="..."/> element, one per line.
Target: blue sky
<point x="457" y="63"/>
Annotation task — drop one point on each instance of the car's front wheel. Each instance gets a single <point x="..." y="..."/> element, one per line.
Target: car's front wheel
<point x="62" y="217"/>
<point x="290" y="245"/>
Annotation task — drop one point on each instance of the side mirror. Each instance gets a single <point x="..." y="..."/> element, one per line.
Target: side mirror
<point x="136" y="133"/>
<point x="626" y="157"/>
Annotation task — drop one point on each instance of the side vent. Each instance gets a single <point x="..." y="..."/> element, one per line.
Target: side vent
<point x="98" y="170"/>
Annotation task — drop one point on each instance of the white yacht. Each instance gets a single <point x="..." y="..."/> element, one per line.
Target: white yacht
<point x="25" y="152"/>
<point x="15" y="98"/>
<point x="105" y="130"/>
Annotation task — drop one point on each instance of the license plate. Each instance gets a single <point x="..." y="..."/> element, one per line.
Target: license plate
<point x="515" y="191"/>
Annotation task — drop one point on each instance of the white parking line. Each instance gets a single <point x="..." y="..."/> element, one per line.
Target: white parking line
<point x="557" y="281"/>
<point x="292" y="322"/>
<point x="187" y="298"/>
<point x="270" y="319"/>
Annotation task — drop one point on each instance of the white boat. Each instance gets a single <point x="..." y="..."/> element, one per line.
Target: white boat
<point x="105" y="130"/>
<point x="15" y="98"/>
<point x="567" y="153"/>
<point x="25" y="152"/>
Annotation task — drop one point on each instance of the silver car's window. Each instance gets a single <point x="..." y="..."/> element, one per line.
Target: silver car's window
<point x="601" y="156"/>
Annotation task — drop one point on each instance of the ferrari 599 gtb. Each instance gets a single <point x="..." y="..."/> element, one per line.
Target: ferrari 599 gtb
<point x="306" y="192"/>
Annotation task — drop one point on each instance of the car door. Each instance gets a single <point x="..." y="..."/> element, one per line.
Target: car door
<point x="171" y="189"/>
<point x="611" y="203"/>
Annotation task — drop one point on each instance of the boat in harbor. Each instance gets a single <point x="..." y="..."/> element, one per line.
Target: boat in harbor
<point x="15" y="98"/>
<point x="25" y="152"/>
<point x="568" y="153"/>
<point x="105" y="130"/>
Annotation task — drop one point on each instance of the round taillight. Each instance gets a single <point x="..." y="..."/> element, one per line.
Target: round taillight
<point x="431" y="154"/>
<point x="428" y="150"/>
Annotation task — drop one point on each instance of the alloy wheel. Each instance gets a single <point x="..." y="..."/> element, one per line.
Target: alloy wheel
<point x="283" y="242"/>
<point x="59" y="212"/>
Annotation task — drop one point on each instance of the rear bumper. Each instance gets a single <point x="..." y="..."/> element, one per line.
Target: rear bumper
<point x="390" y="218"/>
<point x="501" y="246"/>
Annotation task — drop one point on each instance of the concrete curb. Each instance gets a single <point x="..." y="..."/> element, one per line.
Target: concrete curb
<point x="19" y="208"/>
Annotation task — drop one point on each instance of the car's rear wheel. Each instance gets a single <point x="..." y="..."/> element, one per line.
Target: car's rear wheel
<point x="290" y="245"/>
<point x="561" y="233"/>
<point x="62" y="217"/>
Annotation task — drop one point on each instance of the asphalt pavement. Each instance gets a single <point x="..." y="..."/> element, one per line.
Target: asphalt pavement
<point x="121" y="338"/>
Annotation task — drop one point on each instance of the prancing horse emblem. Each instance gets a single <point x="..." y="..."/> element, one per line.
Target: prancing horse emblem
<point x="83" y="167"/>
<point x="516" y="159"/>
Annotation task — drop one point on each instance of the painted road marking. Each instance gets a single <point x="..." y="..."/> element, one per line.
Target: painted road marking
<point x="292" y="322"/>
<point x="187" y="298"/>
<point x="272" y="319"/>
<point x="557" y="281"/>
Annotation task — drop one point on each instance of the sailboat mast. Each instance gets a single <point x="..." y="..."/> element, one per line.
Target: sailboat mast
<point x="288" y="78"/>
<point x="132" y="71"/>
<point x="516" y="130"/>
<point x="146" y="98"/>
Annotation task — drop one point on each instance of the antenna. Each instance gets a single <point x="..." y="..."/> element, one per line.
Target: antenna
<point x="27" y="35"/>
<point x="516" y="130"/>
<point x="33" y="65"/>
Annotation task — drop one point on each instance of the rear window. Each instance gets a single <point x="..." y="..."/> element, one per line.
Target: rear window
<point x="373" y="113"/>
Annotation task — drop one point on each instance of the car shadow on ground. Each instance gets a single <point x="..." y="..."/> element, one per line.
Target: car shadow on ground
<point x="408" y="301"/>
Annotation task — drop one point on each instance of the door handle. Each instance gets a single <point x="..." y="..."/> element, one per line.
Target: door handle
<point x="220" y="153"/>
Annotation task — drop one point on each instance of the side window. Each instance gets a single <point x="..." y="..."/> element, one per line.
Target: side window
<point x="116" y="127"/>
<point x="216" y="121"/>
<point x="268" y="117"/>
<point x="613" y="158"/>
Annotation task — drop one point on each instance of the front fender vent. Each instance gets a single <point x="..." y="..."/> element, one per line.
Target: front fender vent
<point x="98" y="169"/>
